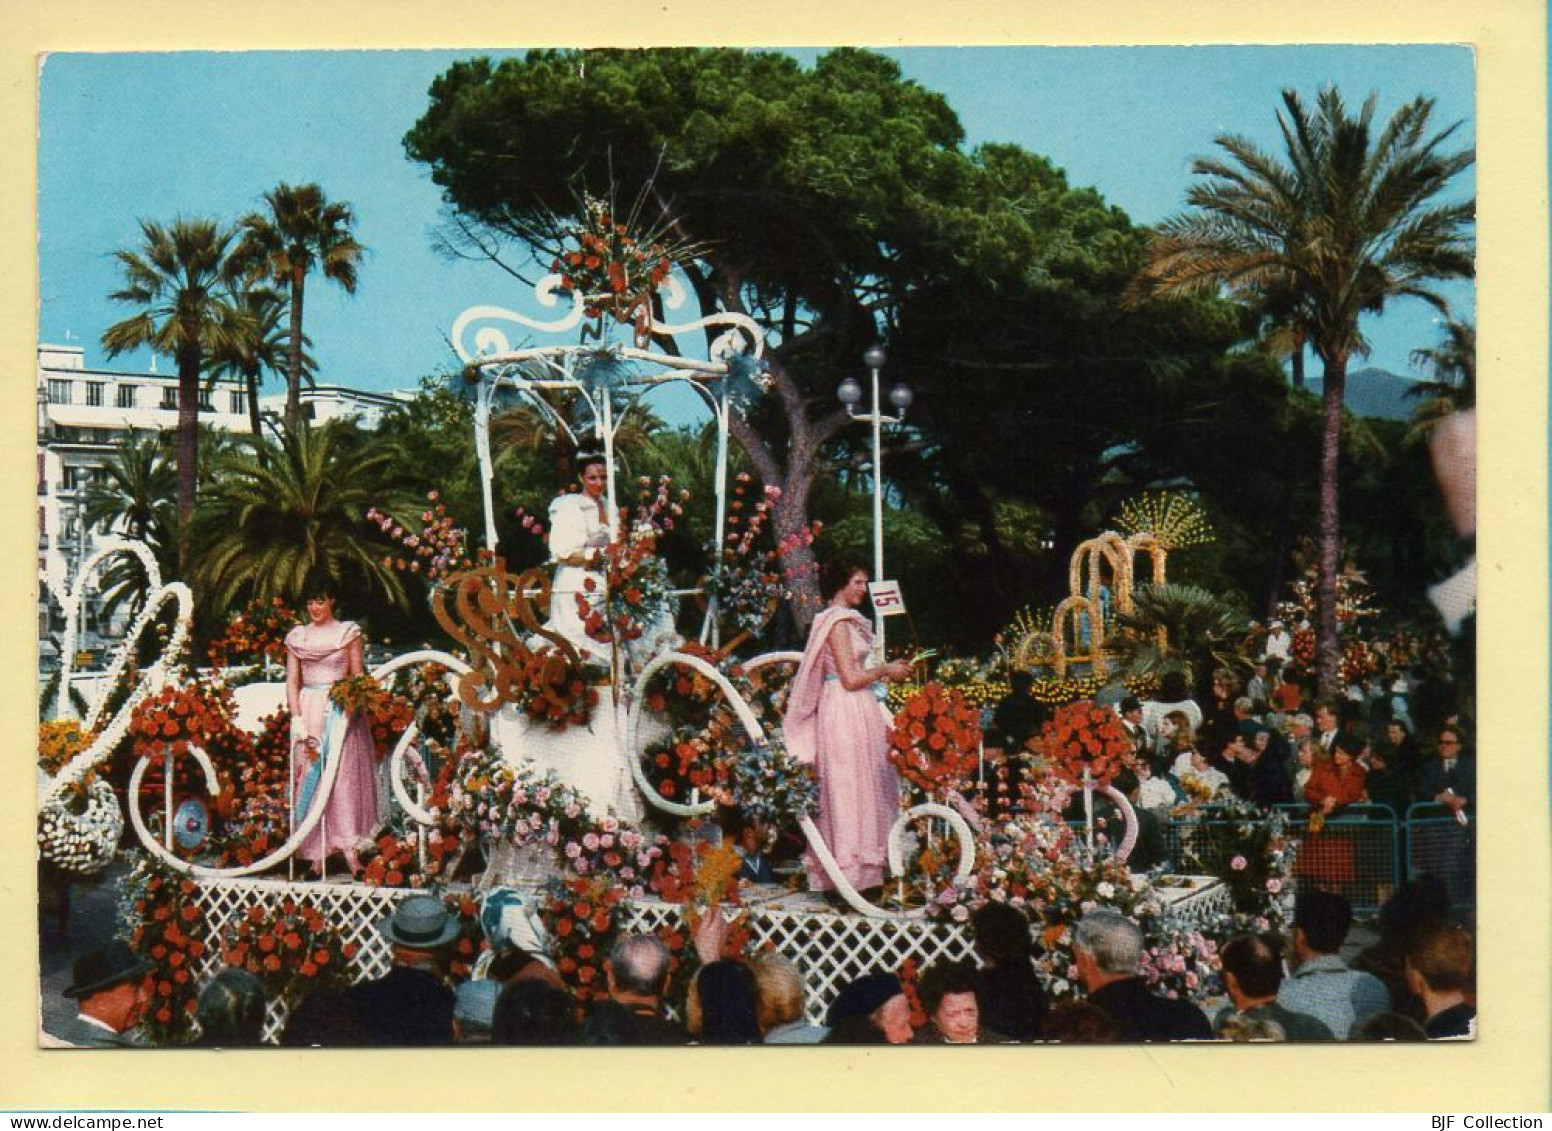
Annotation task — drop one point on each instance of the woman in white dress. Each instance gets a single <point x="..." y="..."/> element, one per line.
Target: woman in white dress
<point x="580" y="526"/>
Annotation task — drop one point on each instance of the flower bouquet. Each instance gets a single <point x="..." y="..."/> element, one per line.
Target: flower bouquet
<point x="167" y="928"/>
<point x="357" y="694"/>
<point x="1086" y="744"/>
<point x="935" y="741"/>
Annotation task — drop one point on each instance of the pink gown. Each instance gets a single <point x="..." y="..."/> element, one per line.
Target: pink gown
<point x="323" y="654"/>
<point x="845" y="734"/>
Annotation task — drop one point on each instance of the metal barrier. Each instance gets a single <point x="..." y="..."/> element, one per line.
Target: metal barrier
<point x="1437" y="843"/>
<point x="1356" y="853"/>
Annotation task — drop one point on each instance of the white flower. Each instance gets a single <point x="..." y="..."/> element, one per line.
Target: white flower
<point x="1106" y="890"/>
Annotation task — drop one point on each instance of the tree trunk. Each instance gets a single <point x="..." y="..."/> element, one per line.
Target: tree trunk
<point x="294" y="362"/>
<point x="253" y="407"/>
<point x="1328" y="646"/>
<point x="188" y="443"/>
<point x="1298" y="359"/>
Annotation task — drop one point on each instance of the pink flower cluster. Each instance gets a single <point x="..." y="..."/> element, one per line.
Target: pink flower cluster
<point x="438" y="549"/>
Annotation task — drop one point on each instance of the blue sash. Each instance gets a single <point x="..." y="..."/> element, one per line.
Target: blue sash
<point x="315" y="772"/>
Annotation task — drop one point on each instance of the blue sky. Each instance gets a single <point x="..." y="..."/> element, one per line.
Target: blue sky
<point x="131" y="136"/>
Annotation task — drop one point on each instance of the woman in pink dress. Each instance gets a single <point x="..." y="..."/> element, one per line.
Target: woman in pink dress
<point x="835" y="723"/>
<point x="318" y="654"/>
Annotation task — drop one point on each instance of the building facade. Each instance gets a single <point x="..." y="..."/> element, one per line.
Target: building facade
<point x="83" y="414"/>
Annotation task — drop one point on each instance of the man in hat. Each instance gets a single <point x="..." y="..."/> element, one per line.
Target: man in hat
<point x="411" y="1004"/>
<point x="872" y="1009"/>
<point x="109" y="984"/>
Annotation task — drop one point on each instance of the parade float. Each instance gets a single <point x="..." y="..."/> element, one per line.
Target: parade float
<point x="584" y="783"/>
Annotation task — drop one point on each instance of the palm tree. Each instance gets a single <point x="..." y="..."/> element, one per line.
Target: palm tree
<point x="260" y="343"/>
<point x="1351" y="221"/>
<point x="1453" y="363"/>
<point x="302" y="230"/>
<point x="177" y="276"/>
<point x="267" y="523"/>
<point x="1181" y="627"/>
<point x="134" y="497"/>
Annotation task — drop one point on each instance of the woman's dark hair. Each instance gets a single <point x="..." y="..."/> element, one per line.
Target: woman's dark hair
<point x="1076" y="1022"/>
<point x="726" y="992"/>
<point x="508" y="962"/>
<point x="534" y="1013"/>
<point x="231" y="1010"/>
<point x="835" y="575"/>
<point x="586" y="460"/>
<point x="318" y="583"/>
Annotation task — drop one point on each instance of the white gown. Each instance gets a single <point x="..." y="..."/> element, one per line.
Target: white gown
<point x="575" y="528"/>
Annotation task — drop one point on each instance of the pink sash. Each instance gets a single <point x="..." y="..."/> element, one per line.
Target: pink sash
<point x="801" y="723"/>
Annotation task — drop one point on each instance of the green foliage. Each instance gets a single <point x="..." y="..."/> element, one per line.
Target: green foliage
<point x="1201" y="631"/>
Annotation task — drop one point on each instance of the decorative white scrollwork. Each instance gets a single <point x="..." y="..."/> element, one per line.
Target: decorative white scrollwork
<point x="488" y="340"/>
<point x="69" y="595"/>
<point x="151" y="680"/>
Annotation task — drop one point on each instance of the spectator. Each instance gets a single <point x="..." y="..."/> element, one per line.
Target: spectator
<point x="411" y="1004"/>
<point x="1107" y="949"/>
<point x="110" y="987"/>
<point x="1258" y="689"/>
<point x="1158" y="794"/>
<point x="1279" y="643"/>
<point x="324" y="1019"/>
<point x="637" y="973"/>
<point x="1077" y="1022"/>
<point x="751" y="840"/>
<point x="231" y="1011"/>
<point x="1289" y="692"/>
<point x="720" y="1005"/>
<point x="1219" y="722"/>
<point x="1386" y="784"/>
<point x="532" y="1013"/>
<point x="779" y="1005"/>
<point x="1252" y="974"/>
<point x="1327" y="725"/>
<point x="1008" y="992"/>
<point x="1254" y="773"/>
<point x="1322" y="985"/>
<point x="948" y="994"/>
<point x="1438" y="970"/>
<point x="1131" y="722"/>
<point x="1304" y="763"/>
<point x="1451" y="779"/>
<point x="870" y="1010"/>
<point x="1415" y="905"/>
<point x="1401" y="750"/>
<point x="1019" y="716"/>
<point x="474" y="1012"/>
<point x="1173" y="696"/>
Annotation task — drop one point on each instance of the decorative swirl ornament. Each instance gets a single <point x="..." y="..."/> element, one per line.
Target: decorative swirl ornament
<point x="108" y="736"/>
<point x="475" y="340"/>
<point x="486" y="603"/>
<point x="69" y="597"/>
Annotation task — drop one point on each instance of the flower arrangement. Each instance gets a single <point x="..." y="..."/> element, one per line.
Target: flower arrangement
<point x="680" y="764"/>
<point x="253" y="802"/>
<point x="164" y="925"/>
<point x="58" y="744"/>
<point x="439" y="548"/>
<point x="495" y="801"/>
<point x="581" y="916"/>
<point x="1086" y="742"/>
<point x="766" y="784"/>
<point x="553" y="692"/>
<point x="465" y="950"/>
<point x="935" y="740"/>
<point x="1174" y="520"/>
<point x="291" y="949"/>
<point x="633" y="597"/>
<point x="197" y="712"/>
<point x="614" y="267"/>
<point x="255" y="635"/>
<point x="746" y="579"/>
<point x="357" y="694"/>
<point x="79" y="831"/>
<point x="1254" y="857"/>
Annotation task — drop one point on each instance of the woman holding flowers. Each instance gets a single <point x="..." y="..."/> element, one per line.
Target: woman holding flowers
<point x="835" y="723"/>
<point x="580" y="528"/>
<point x="319" y="654"/>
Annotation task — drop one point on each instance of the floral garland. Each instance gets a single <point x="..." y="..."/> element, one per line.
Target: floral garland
<point x="79" y="831"/>
<point x="1255" y="859"/>
<point x="1084" y="738"/>
<point x="291" y="949"/>
<point x="767" y="784"/>
<point x="439" y="548"/>
<point x="166" y="927"/>
<point x="252" y="803"/>
<point x="553" y="693"/>
<point x="747" y="581"/>
<point x="935" y="740"/>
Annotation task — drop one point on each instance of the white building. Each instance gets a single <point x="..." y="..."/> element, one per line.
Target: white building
<point x="83" y="414"/>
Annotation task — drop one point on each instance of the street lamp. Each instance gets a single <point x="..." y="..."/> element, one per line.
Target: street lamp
<point x="850" y="394"/>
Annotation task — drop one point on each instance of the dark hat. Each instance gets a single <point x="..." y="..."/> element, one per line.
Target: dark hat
<point x="862" y="997"/>
<point x="104" y="968"/>
<point x="420" y="922"/>
<point x="1130" y="703"/>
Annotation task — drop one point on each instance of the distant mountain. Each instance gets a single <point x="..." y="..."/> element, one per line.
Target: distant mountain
<point x="1372" y="392"/>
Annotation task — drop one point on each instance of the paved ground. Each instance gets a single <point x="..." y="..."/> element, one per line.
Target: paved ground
<point x="91" y="922"/>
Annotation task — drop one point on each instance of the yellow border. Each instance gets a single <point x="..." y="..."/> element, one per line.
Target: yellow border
<point x="1506" y="1070"/>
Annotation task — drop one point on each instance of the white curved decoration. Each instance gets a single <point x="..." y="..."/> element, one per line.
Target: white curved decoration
<point x="413" y="809"/>
<point x="151" y="680"/>
<point x="746" y="718"/>
<point x="69" y="597"/>
<point x="488" y="340"/>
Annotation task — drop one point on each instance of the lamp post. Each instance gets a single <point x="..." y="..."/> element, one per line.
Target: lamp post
<point x="850" y="394"/>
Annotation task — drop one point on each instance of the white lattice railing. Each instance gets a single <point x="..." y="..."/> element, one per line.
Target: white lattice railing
<point x="829" y="947"/>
